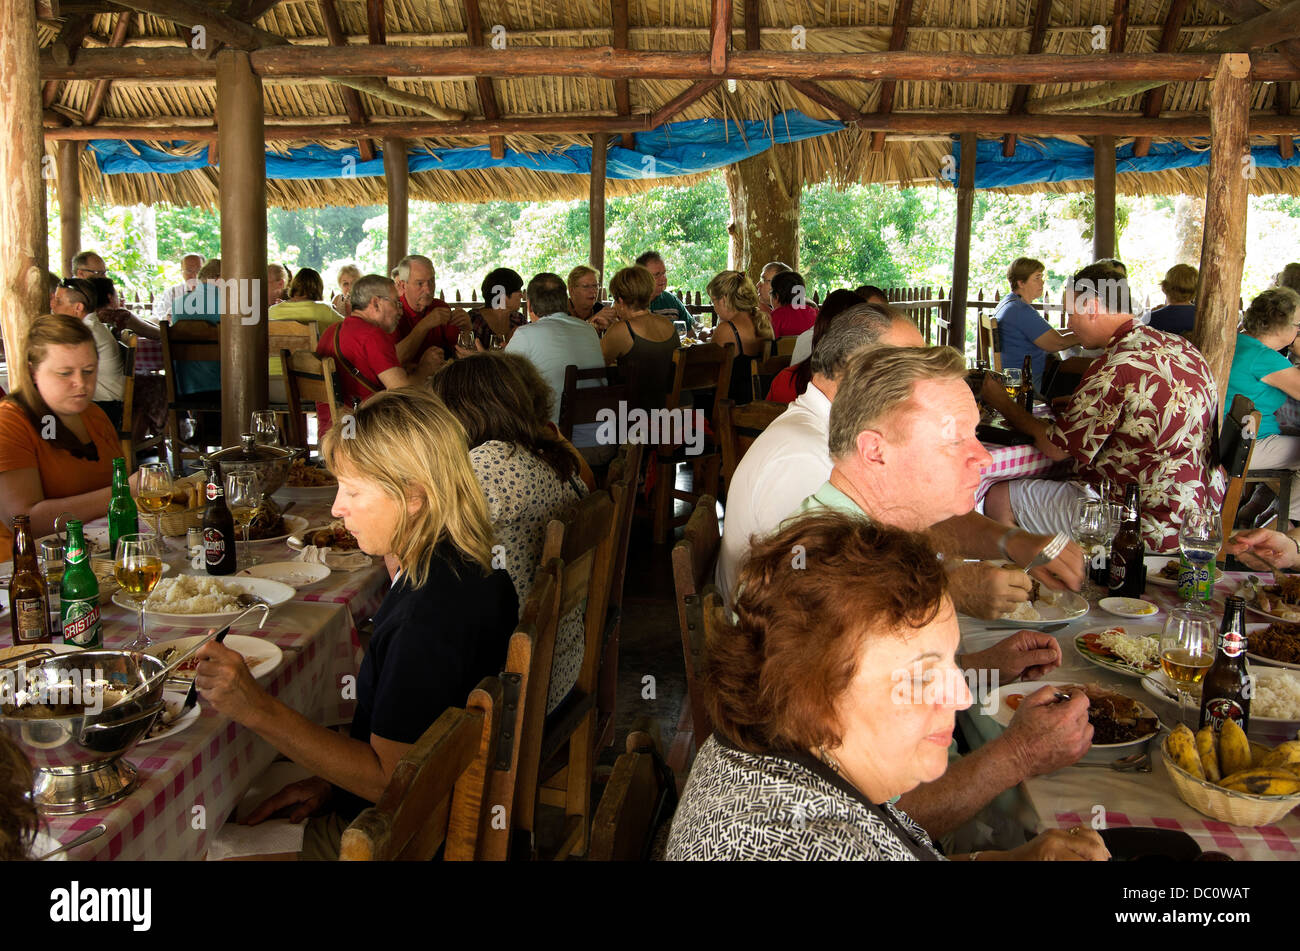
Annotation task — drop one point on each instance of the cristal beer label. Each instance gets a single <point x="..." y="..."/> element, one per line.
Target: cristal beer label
<point x="1233" y="643"/>
<point x="80" y="622"/>
<point x="214" y="545"/>
<point x="30" y="616"/>
<point x="75" y="555"/>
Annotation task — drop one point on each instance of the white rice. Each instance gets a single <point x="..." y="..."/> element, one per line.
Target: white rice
<point x="1024" y="611"/>
<point x="1277" y="696"/>
<point x="193" y="594"/>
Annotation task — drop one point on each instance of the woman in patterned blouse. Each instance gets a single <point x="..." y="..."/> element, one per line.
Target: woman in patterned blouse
<point x="821" y="719"/>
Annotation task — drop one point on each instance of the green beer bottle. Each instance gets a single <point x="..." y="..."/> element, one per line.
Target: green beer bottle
<point x="79" y="594"/>
<point x="123" y="517"/>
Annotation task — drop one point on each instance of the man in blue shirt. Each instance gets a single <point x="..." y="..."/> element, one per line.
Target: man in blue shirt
<point x="665" y="302"/>
<point x="1022" y="327"/>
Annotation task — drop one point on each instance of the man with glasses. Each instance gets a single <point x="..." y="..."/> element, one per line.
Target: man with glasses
<point x="76" y="298"/>
<point x="88" y="264"/>
<point x="427" y="329"/>
<point x="764" y="286"/>
<point x="362" y="344"/>
<point x="665" y="301"/>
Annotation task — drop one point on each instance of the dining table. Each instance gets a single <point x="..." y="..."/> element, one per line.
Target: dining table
<point x="190" y="781"/>
<point x="1018" y="462"/>
<point x="1101" y="797"/>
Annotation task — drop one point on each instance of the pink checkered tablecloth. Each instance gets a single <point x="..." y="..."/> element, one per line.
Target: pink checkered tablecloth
<point x="1017" y="462"/>
<point x="148" y="356"/>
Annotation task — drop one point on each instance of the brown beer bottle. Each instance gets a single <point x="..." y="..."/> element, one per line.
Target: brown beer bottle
<point x="219" y="553"/>
<point x="1225" y="692"/>
<point x="29" y="608"/>
<point x="1127" y="568"/>
<point x="1027" y="381"/>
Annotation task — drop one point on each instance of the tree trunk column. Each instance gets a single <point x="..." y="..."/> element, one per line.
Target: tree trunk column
<point x="69" y="203"/>
<point x="243" y="243"/>
<point x="23" y="251"/>
<point x="1223" y="249"/>
<point x="396" y="177"/>
<point x="596" y="206"/>
<point x="961" y="243"/>
<point x="1103" y="188"/>
<point x="764" y="193"/>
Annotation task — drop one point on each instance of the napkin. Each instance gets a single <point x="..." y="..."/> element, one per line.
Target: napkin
<point x="266" y="838"/>
<point x="335" y="561"/>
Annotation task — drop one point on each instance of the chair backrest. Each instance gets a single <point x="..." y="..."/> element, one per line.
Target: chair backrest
<point x="632" y="805"/>
<point x="1236" y="446"/>
<point x="436" y="793"/>
<point x="785" y="345"/>
<point x="512" y="783"/>
<point x="580" y="405"/>
<point x="307" y="378"/>
<point x="583" y="540"/>
<point x="767" y="372"/>
<point x="739" y="426"/>
<point x="622" y="482"/>
<point x="183" y="342"/>
<point x="701" y="367"/>
<point x="694" y="558"/>
<point x="290" y="335"/>
<point x="128" y="342"/>
<point x="990" y="341"/>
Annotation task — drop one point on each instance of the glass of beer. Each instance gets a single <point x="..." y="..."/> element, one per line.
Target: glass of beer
<point x="137" y="566"/>
<point x="1186" y="651"/>
<point x="243" y="492"/>
<point x="1011" y="379"/>
<point x="155" y="492"/>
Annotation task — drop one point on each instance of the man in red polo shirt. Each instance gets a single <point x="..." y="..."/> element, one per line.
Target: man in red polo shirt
<point x="362" y="346"/>
<point x="427" y="329"/>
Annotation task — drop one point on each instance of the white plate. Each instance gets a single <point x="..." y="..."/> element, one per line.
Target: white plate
<point x="43" y="843"/>
<point x="294" y="573"/>
<point x="96" y="537"/>
<point x="1129" y="607"/>
<point x="264" y="655"/>
<point x="306" y="493"/>
<point x="181" y="723"/>
<point x="1113" y="663"/>
<point x="1001" y="714"/>
<point x="295" y="525"/>
<point x="1266" y="661"/>
<point x="1068" y="607"/>
<point x="274" y="592"/>
<point x="1272" y="725"/>
<point x="1155" y="562"/>
<point x="296" y="543"/>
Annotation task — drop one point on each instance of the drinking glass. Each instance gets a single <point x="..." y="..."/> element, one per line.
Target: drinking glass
<point x="466" y="340"/>
<point x="1186" y="651"/>
<point x="496" y="342"/>
<point x="1091" y="528"/>
<point x="1199" y="538"/>
<point x="155" y="492"/>
<point x="1011" y="380"/>
<point x="243" y="492"/>
<point x="137" y="567"/>
<point x="266" y="428"/>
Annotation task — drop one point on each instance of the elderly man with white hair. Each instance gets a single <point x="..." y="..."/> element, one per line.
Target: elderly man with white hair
<point x="427" y="328"/>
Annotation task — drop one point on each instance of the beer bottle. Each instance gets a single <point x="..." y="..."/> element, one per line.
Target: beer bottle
<point x="1225" y="694"/>
<point x="1027" y="381"/>
<point x="219" y="553"/>
<point x="28" y="608"/>
<point x="1127" y="567"/>
<point x="79" y="593"/>
<point x="123" y="517"/>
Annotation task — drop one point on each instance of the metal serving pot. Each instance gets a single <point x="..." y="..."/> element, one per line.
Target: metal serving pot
<point x="270" y="463"/>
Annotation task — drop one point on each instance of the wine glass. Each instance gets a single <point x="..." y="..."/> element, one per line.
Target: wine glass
<point x="465" y="340"/>
<point x="1090" y="526"/>
<point x="1011" y="379"/>
<point x="155" y="491"/>
<point x="1199" y="538"/>
<point x="1186" y="650"/>
<point x="243" y="492"/>
<point x="137" y="567"/>
<point x="266" y="427"/>
<point x="496" y="342"/>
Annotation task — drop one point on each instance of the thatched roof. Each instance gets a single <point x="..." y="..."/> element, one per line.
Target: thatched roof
<point x="1002" y="27"/>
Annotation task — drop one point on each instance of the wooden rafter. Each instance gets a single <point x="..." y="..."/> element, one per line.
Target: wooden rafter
<point x="96" y="103"/>
<point x="1037" y="35"/>
<point x="376" y="27"/>
<point x="250" y="11"/>
<point x="352" y="104"/>
<point x="843" y="111"/>
<point x="681" y="101"/>
<point x="1240" y="10"/>
<point x="622" y="91"/>
<point x="64" y="50"/>
<point x="753" y="25"/>
<point x="487" y="97"/>
<point x="1282" y="104"/>
<point x="719" y="36"/>
<point x="897" y="41"/>
<point x="1154" y="100"/>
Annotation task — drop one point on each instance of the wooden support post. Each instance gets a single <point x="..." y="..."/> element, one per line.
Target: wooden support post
<point x="396" y="176"/>
<point x="69" y="190"/>
<point x="596" y="206"/>
<point x="961" y="242"/>
<point x="243" y="243"/>
<point x="1223" y="249"/>
<point x="23" y="254"/>
<point x="1282" y="104"/>
<point x="1103" y="189"/>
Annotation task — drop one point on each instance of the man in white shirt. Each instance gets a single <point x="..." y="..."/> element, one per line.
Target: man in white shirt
<point x="553" y="339"/>
<point x="190" y="265"/>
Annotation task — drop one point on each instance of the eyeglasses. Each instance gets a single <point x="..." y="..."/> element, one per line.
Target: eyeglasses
<point x="585" y="287"/>
<point x="93" y="272"/>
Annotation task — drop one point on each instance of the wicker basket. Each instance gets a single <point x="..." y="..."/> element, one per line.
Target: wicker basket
<point x="175" y="524"/>
<point x="1226" y="805"/>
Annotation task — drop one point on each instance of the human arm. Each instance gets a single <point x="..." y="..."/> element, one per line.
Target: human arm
<point x="617" y="342"/>
<point x="1079" y="844"/>
<point x="1288" y="381"/>
<point x="1266" y="550"/>
<point x="1053" y="341"/>
<point x="1027" y="655"/>
<point x="994" y="395"/>
<point x="21" y="493"/>
<point x="977" y="536"/>
<point x="410" y="346"/>
<point x="394" y="377"/>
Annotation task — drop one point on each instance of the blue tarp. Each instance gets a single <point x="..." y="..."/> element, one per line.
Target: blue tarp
<point x="678" y="148"/>
<point x="1052" y="160"/>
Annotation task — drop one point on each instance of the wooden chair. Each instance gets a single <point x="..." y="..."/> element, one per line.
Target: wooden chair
<point x="1236" y="446"/>
<point x="128" y="342"/>
<point x="308" y="379"/>
<point x="580" y="405"/>
<point x="739" y="426"/>
<point x="436" y="794"/>
<point x="583" y="541"/>
<point x="989" y="343"/>
<point x="512" y="783"/>
<point x="785" y="345"/>
<point x="699" y="368"/>
<point x="637" y="801"/>
<point x="694" y="559"/>
<point x="290" y="335"/>
<point x="622" y="481"/>
<point x="767" y="371"/>
<point x="182" y="342"/>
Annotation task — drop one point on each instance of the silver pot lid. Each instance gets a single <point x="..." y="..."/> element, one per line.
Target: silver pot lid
<point x="249" y="451"/>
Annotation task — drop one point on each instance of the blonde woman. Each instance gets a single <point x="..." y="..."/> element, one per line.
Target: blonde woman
<point x="406" y="490"/>
<point x="349" y="274"/>
<point x="584" y="297"/>
<point x="742" y="324"/>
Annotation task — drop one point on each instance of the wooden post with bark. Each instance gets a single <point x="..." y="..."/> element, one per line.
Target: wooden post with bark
<point x="69" y="188"/>
<point x="596" y="204"/>
<point x="23" y="250"/>
<point x="1223" y="249"/>
<point x="764" y="193"/>
<point x="396" y="177"/>
<point x="243" y="243"/>
<point x="1103" y="190"/>
<point x="961" y="242"/>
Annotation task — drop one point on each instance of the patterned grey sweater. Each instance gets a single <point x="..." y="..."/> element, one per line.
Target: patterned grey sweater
<point x="740" y="806"/>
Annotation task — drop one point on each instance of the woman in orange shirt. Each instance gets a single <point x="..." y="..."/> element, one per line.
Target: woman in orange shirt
<point x="56" y="446"/>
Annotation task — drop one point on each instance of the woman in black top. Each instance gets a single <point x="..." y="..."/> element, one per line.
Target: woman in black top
<point x="406" y="490"/>
<point x="742" y="324"/>
<point x="641" y="343"/>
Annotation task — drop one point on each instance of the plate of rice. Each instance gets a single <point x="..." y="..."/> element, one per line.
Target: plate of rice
<point x="1049" y="607"/>
<point x="202" y="601"/>
<point x="1274" y="706"/>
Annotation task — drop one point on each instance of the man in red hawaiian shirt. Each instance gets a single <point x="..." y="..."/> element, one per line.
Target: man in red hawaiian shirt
<point x="427" y="328"/>
<point x="362" y="346"/>
<point x="1144" y="412"/>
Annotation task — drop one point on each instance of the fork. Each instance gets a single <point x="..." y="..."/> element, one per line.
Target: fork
<point x="1049" y="551"/>
<point x="1136" y="763"/>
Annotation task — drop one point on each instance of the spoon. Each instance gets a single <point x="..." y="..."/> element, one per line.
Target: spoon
<point x="87" y="836"/>
<point x="1136" y="763"/>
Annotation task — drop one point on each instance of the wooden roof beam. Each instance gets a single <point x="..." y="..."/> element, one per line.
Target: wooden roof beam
<point x="681" y="101"/>
<point x="1282" y="103"/>
<point x="96" y="103"/>
<point x="719" y="36"/>
<point x="1155" y="99"/>
<point x="64" y="50"/>
<point x="897" y="40"/>
<point x="1038" y="33"/>
<point x="622" y="90"/>
<point x="250" y="11"/>
<point x="844" y="111"/>
<point x="487" y="97"/>
<point x="1240" y="10"/>
<point x="753" y="25"/>
<point x="351" y="98"/>
<point x="376" y="26"/>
